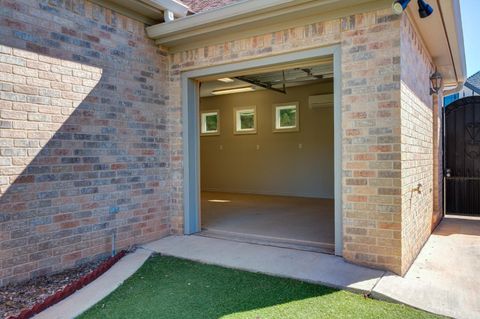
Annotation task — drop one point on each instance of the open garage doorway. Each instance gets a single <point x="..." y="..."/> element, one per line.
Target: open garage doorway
<point x="267" y="157"/>
<point x="264" y="151"/>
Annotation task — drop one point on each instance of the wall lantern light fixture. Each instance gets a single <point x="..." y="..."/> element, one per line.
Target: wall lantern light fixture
<point x="436" y="82"/>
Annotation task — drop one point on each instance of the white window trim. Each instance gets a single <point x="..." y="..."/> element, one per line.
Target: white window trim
<point x="236" y="120"/>
<point x="276" y="117"/>
<point x="203" y="123"/>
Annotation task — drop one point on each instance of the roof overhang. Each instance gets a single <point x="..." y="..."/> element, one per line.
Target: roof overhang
<point x="472" y="87"/>
<point x="252" y="17"/>
<point x="147" y="11"/>
<point x="443" y="36"/>
<point x="441" y="32"/>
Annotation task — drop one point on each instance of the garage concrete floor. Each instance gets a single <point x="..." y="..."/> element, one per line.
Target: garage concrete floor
<point x="294" y="222"/>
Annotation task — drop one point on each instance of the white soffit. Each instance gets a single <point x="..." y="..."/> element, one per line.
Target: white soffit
<point x="147" y="11"/>
<point x="179" y="9"/>
<point x="442" y="35"/>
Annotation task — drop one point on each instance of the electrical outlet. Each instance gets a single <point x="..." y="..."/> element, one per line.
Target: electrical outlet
<point x="300" y="146"/>
<point x="258" y="147"/>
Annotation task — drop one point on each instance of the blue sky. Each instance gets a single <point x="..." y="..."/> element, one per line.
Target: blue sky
<point x="471" y="25"/>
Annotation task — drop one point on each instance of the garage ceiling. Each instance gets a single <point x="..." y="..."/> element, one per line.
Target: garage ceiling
<point x="278" y="80"/>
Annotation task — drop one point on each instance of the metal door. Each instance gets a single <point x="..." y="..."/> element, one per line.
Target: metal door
<point x="462" y="156"/>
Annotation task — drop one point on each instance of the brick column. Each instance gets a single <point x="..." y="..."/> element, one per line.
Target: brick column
<point x="371" y="143"/>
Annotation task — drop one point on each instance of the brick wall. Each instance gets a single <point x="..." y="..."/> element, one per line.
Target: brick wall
<point x="371" y="151"/>
<point x="437" y="161"/>
<point x="371" y="122"/>
<point x="84" y="147"/>
<point x="90" y="140"/>
<point x="387" y="128"/>
<point x="417" y="144"/>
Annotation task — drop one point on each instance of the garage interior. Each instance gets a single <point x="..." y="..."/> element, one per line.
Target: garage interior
<point x="267" y="157"/>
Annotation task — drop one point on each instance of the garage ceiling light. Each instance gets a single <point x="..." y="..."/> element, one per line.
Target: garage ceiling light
<point x="219" y="200"/>
<point x="233" y="90"/>
<point x="226" y="80"/>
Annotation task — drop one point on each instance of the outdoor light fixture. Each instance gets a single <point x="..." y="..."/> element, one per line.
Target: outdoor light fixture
<point x="399" y="5"/>
<point x="424" y="9"/>
<point x="233" y="90"/>
<point x="436" y="82"/>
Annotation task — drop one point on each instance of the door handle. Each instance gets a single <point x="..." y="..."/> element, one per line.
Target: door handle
<point x="448" y="172"/>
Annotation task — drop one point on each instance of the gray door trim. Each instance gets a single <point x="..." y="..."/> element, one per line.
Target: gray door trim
<point x="191" y="136"/>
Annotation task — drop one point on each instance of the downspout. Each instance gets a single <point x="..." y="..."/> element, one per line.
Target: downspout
<point x="456" y="89"/>
<point x="460" y="82"/>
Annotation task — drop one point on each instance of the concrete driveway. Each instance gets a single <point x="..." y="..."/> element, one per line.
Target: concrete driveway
<point x="445" y="277"/>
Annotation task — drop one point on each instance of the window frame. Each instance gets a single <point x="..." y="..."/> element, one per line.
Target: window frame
<point x="236" y="120"/>
<point x="276" y="117"/>
<point x="203" y="123"/>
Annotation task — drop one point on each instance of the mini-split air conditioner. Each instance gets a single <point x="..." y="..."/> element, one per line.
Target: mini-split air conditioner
<point x="320" y="101"/>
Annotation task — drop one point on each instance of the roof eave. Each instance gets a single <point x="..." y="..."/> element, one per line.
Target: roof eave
<point x="472" y="87"/>
<point x="252" y="16"/>
<point x="442" y="35"/>
<point x="149" y="12"/>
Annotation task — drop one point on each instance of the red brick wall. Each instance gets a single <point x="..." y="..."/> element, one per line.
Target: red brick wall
<point x="84" y="147"/>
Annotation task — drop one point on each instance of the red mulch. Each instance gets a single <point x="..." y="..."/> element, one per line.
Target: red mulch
<point x="16" y="297"/>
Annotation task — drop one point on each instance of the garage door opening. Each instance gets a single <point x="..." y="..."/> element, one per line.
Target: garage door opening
<point x="267" y="157"/>
<point x="262" y="150"/>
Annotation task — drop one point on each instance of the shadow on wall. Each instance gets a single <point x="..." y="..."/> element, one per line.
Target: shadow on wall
<point x="83" y="140"/>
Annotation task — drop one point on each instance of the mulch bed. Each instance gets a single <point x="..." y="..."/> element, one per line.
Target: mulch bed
<point x="16" y="297"/>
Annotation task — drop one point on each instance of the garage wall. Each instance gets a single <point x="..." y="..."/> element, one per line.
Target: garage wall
<point x="292" y="164"/>
<point x="84" y="136"/>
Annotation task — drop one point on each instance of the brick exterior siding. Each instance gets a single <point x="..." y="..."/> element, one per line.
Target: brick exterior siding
<point x="417" y="151"/>
<point x="84" y="148"/>
<point x="371" y="122"/>
<point x="91" y="133"/>
<point x="380" y="228"/>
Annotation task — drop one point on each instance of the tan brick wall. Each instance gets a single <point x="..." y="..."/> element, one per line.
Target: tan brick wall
<point x="417" y="136"/>
<point x="83" y="143"/>
<point x="90" y="118"/>
<point x="438" y="191"/>
<point x="371" y="150"/>
<point x="371" y="122"/>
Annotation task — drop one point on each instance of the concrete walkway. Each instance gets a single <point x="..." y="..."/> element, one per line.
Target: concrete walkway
<point x="303" y="265"/>
<point x="89" y="295"/>
<point x="444" y="279"/>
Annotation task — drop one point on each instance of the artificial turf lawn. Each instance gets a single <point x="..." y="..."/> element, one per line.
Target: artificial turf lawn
<point x="167" y="287"/>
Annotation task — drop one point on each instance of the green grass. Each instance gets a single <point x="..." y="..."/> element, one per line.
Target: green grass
<point x="166" y="287"/>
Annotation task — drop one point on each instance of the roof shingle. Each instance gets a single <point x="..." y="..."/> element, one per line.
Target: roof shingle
<point x="473" y="82"/>
<point x="205" y="5"/>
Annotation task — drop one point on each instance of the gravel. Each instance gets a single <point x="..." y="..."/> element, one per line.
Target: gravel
<point x="16" y="297"/>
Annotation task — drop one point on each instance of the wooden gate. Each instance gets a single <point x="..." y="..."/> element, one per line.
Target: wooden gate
<point x="462" y="156"/>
